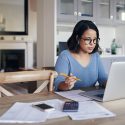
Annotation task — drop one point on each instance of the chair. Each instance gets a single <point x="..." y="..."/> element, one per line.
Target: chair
<point x="7" y="78"/>
<point x="62" y="46"/>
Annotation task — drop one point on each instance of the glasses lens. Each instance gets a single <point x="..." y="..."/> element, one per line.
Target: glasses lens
<point x="87" y="40"/>
<point x="95" y="41"/>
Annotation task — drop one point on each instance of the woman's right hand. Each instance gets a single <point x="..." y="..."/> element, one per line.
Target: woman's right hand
<point x="70" y="81"/>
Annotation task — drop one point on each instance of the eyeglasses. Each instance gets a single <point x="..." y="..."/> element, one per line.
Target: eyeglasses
<point x="89" y="40"/>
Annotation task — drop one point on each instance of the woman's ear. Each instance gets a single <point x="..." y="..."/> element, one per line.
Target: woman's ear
<point x="77" y="38"/>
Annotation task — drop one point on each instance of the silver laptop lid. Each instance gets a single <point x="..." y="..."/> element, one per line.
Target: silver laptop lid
<point x="115" y="88"/>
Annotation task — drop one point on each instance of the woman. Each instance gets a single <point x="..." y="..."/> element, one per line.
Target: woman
<point x="81" y="60"/>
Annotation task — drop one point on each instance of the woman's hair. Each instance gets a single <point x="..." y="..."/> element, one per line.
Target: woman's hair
<point x="79" y="29"/>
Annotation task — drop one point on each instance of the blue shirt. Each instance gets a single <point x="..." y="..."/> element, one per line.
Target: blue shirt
<point x="88" y="75"/>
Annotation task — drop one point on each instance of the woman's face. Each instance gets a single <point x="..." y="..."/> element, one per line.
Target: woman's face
<point x="88" y="41"/>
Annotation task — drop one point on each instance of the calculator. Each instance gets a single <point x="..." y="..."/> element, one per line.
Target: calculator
<point x="70" y="106"/>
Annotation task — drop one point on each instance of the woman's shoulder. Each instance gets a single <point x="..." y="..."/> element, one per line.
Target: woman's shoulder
<point x="64" y="53"/>
<point x="96" y="54"/>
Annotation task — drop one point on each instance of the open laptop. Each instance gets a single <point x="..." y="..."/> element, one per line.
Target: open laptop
<point x="115" y="87"/>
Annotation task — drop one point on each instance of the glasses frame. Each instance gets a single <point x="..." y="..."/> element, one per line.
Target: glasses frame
<point x="88" y="40"/>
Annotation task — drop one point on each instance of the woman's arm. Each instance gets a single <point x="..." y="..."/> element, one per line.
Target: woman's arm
<point x="63" y="66"/>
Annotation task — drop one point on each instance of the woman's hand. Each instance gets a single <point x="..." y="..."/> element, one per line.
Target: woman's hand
<point x="70" y="81"/>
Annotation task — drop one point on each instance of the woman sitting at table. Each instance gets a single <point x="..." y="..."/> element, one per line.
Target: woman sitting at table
<point x="81" y="62"/>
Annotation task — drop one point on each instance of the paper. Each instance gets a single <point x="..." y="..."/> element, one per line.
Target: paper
<point x="23" y="113"/>
<point x="26" y="113"/>
<point x="58" y="105"/>
<point x="90" y="110"/>
<point x="73" y="95"/>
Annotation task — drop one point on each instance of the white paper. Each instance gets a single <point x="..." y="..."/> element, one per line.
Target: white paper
<point x="58" y="105"/>
<point x="26" y="113"/>
<point x="90" y="110"/>
<point x="23" y="113"/>
<point x="73" y="95"/>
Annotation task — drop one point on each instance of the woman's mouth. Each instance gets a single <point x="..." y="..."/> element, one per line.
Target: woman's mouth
<point x="90" y="48"/>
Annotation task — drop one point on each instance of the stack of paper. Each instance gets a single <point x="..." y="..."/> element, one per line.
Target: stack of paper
<point x="23" y="113"/>
<point x="26" y="113"/>
<point x="87" y="109"/>
<point x="90" y="110"/>
<point x="73" y="95"/>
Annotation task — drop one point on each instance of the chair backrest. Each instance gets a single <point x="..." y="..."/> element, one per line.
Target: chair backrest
<point x="62" y="46"/>
<point x="25" y="76"/>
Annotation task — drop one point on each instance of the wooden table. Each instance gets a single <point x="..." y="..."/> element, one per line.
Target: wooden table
<point x="117" y="107"/>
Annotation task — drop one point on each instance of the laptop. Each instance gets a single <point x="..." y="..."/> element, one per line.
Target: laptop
<point x="115" y="87"/>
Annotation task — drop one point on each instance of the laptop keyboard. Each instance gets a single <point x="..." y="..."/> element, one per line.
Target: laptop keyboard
<point x="100" y="95"/>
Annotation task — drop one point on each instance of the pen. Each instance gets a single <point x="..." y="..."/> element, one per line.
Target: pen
<point x="65" y="75"/>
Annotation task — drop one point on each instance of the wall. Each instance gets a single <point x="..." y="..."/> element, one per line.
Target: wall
<point x="32" y="20"/>
<point x="63" y="36"/>
<point x="46" y="32"/>
<point x="107" y="34"/>
<point x="120" y="36"/>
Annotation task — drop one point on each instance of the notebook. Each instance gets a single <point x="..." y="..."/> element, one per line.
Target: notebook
<point x="115" y="87"/>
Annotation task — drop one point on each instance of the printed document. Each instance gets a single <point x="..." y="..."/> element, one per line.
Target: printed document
<point x="58" y="105"/>
<point x="90" y="110"/>
<point x="26" y="113"/>
<point x="23" y="113"/>
<point x="73" y="95"/>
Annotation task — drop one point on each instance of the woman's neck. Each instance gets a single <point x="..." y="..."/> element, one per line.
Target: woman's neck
<point x="82" y="57"/>
<point x="83" y="54"/>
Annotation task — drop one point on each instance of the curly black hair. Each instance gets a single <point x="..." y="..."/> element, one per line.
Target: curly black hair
<point x="79" y="29"/>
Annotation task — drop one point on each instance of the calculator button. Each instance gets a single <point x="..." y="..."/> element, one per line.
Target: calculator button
<point x="70" y="106"/>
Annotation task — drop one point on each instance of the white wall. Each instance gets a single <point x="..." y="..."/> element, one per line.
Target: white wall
<point x="107" y="34"/>
<point x="46" y="32"/>
<point x="120" y="36"/>
<point x="63" y="36"/>
<point x="32" y="21"/>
